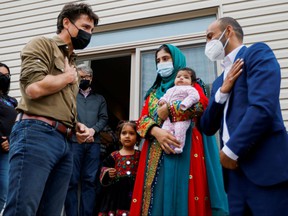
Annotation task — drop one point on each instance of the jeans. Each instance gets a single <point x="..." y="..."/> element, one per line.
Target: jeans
<point x="41" y="164"/>
<point x="4" y="166"/>
<point x="86" y="162"/>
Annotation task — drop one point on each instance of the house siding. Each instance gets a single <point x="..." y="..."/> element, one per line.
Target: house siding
<point x="262" y="20"/>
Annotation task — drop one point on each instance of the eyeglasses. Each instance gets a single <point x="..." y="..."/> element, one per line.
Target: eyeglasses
<point x="7" y="75"/>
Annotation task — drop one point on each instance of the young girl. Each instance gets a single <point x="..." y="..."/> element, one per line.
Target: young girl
<point x="118" y="172"/>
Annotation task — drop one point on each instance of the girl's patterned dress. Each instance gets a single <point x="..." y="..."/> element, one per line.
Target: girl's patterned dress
<point x="118" y="191"/>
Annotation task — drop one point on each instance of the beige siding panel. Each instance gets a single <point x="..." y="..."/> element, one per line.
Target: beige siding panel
<point x="259" y="20"/>
<point x="119" y="5"/>
<point x="28" y="10"/>
<point x="283" y="62"/>
<point x="27" y="33"/>
<point x="13" y="3"/>
<point x="150" y="10"/>
<point x="227" y="2"/>
<point x="40" y="25"/>
<point x="271" y="27"/>
<point x="258" y="11"/>
<point x="36" y="20"/>
<point x="279" y="44"/>
<point x="284" y="94"/>
<point x="270" y="36"/>
<point x="229" y="5"/>
<point x="284" y="72"/>
<point x="13" y="63"/>
<point x="11" y="49"/>
<point x="284" y="83"/>
<point x="21" y="41"/>
<point x="284" y="104"/>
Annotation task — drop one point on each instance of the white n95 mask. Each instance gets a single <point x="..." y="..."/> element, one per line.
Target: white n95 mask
<point x="214" y="49"/>
<point x="165" y="69"/>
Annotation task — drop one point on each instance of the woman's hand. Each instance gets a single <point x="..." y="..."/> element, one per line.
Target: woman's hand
<point x="112" y="173"/>
<point x="163" y="112"/>
<point x="165" y="139"/>
<point x="232" y="76"/>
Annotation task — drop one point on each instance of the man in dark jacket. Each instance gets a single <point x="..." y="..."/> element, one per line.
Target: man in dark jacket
<point x="92" y="111"/>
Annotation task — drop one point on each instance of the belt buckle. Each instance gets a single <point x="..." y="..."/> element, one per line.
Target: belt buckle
<point x="68" y="132"/>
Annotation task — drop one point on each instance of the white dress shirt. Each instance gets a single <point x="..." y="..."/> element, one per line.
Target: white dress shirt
<point x="224" y="97"/>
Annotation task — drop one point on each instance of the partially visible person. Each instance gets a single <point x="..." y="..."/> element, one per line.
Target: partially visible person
<point x="92" y="111"/>
<point x="245" y="106"/>
<point x="118" y="172"/>
<point x="40" y="155"/>
<point x="185" y="92"/>
<point x="169" y="183"/>
<point x="7" y="119"/>
<point x="109" y="143"/>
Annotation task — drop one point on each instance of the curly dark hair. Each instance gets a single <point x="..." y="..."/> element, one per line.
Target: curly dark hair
<point x="73" y="12"/>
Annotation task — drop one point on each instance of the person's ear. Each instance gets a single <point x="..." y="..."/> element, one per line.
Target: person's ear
<point x="229" y="31"/>
<point x="66" y="23"/>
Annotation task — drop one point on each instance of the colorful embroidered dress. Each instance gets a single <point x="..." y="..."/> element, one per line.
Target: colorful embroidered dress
<point x="174" y="184"/>
<point x="118" y="191"/>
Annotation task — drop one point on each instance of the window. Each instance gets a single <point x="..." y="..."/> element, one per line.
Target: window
<point x="195" y="59"/>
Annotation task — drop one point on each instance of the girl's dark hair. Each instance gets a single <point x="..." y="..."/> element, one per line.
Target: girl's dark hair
<point x="190" y="71"/>
<point x="73" y="12"/>
<point x="4" y="90"/>
<point x="133" y="124"/>
<point x="4" y="65"/>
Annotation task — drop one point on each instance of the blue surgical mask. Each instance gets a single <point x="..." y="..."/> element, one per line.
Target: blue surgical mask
<point x="165" y="69"/>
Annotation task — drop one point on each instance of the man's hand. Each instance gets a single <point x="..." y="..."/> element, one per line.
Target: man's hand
<point x="5" y="144"/>
<point x="70" y="72"/>
<point x="227" y="162"/>
<point x="232" y="76"/>
<point x="90" y="138"/>
<point x="82" y="132"/>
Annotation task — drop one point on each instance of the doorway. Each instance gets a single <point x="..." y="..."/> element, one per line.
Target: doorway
<point x="111" y="78"/>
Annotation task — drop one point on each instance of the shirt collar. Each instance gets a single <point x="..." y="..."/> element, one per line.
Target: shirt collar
<point x="59" y="41"/>
<point x="230" y="58"/>
<point x="61" y="44"/>
<point x="86" y="92"/>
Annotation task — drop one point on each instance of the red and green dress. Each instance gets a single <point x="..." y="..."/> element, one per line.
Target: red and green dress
<point x="171" y="184"/>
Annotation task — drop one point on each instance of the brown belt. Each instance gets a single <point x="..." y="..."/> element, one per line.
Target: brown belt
<point x="67" y="131"/>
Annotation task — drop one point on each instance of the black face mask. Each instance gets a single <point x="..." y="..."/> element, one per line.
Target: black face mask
<point x="84" y="84"/>
<point x="4" y="84"/>
<point x="81" y="40"/>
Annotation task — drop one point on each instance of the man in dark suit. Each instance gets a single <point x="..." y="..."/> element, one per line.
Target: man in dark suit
<point x="245" y="106"/>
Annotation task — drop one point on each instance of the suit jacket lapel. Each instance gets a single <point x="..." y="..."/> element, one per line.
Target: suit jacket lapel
<point x="240" y="54"/>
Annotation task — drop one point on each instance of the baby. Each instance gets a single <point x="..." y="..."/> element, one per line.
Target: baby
<point x="185" y="92"/>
